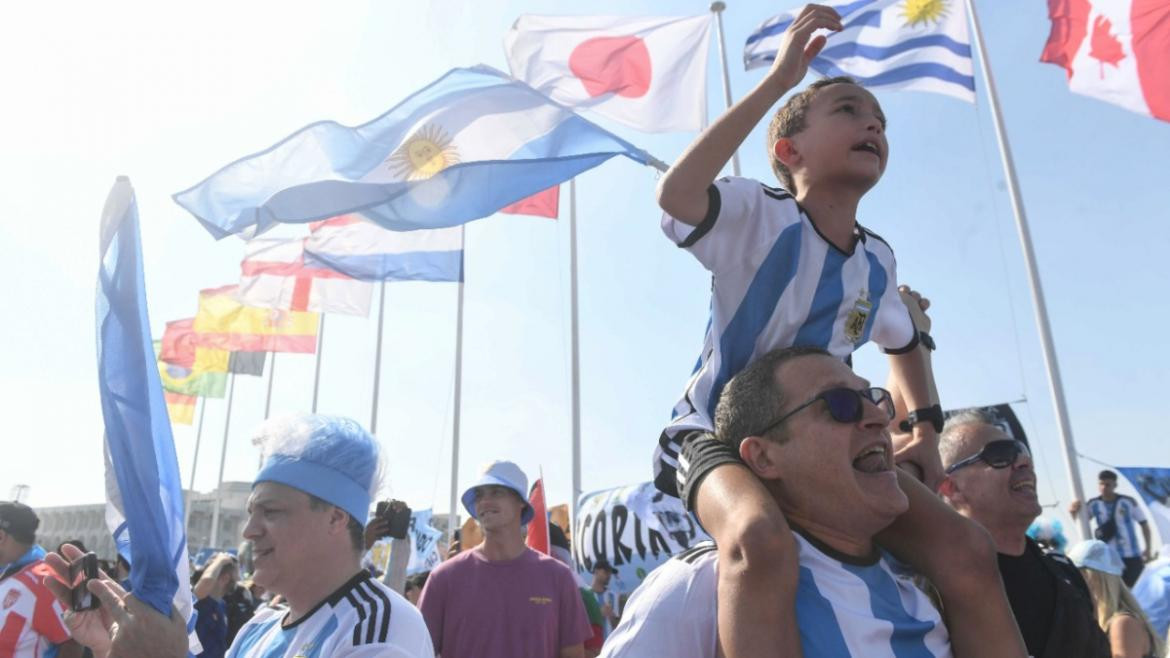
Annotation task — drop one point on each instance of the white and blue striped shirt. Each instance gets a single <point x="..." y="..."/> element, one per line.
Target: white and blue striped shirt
<point x="1124" y="511"/>
<point x="844" y="610"/>
<point x="362" y="619"/>
<point x="777" y="282"/>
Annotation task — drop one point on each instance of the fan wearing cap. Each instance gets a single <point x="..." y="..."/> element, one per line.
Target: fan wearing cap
<point x="1118" y="613"/>
<point x="989" y="479"/>
<point x="30" y="616"/>
<point x="502" y="599"/>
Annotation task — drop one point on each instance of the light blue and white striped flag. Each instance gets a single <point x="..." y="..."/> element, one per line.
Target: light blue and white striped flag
<point x="468" y="144"/>
<point x="891" y="44"/>
<point x="144" y="497"/>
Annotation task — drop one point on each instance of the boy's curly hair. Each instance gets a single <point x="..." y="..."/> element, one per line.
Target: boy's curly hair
<point x="789" y="120"/>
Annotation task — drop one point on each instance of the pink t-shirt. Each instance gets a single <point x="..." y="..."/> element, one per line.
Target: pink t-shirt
<point x="528" y="607"/>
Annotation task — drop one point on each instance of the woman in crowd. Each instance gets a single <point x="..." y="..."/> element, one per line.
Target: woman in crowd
<point x="1118" y="613"/>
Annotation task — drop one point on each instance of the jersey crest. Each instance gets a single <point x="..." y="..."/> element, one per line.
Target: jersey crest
<point x="855" y="322"/>
<point x="11" y="598"/>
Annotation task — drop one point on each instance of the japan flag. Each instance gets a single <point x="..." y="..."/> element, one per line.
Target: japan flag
<point x="1114" y="50"/>
<point x="648" y="73"/>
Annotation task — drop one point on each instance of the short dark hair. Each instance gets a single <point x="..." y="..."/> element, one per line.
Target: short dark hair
<point x="357" y="531"/>
<point x="752" y="399"/>
<point x="1107" y="475"/>
<point x="790" y="120"/>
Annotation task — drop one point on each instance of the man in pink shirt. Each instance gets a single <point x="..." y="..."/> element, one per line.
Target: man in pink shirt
<point x="502" y="599"/>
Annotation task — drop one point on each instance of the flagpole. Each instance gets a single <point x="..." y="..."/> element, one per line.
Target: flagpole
<point x="194" y="463"/>
<point x="1039" y="306"/>
<point x="453" y="522"/>
<point x="320" y="346"/>
<point x="271" y="376"/>
<point x="378" y="359"/>
<point x="717" y="8"/>
<point x="222" y="458"/>
<point x="575" y="357"/>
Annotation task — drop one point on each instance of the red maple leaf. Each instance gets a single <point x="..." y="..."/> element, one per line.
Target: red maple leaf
<point x="1105" y="47"/>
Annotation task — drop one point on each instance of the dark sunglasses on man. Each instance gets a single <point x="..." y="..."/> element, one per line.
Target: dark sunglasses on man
<point x="845" y="405"/>
<point x="1000" y="453"/>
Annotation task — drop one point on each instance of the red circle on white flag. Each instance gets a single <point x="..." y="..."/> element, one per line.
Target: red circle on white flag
<point x="618" y="65"/>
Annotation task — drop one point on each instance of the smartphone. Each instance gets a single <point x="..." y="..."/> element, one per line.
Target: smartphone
<point x="397" y="516"/>
<point x="81" y="571"/>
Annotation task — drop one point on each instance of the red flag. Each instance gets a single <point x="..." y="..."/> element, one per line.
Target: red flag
<point x="541" y="204"/>
<point x="1114" y="50"/>
<point x="538" y="527"/>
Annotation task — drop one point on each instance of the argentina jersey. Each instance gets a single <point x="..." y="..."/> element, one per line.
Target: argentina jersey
<point x="1125" y="511"/>
<point x="845" y="608"/>
<point x="363" y="618"/>
<point x="777" y="282"/>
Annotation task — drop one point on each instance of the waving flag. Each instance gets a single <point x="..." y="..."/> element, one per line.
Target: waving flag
<point x="224" y="323"/>
<point x="460" y="149"/>
<point x="276" y="274"/>
<point x="369" y="252"/>
<point x="541" y="204"/>
<point x="180" y="408"/>
<point x="144" y="507"/>
<point x="891" y="44"/>
<point x="538" y="537"/>
<point x="1115" y="50"/>
<point x="649" y="73"/>
<point x="1153" y="485"/>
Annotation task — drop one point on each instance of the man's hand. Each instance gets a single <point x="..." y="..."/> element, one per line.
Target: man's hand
<point x="1074" y="508"/>
<point x="375" y="530"/>
<point x="797" y="50"/>
<point x="919" y="456"/>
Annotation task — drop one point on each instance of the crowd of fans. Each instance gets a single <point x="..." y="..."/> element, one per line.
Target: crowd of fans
<point x="847" y="519"/>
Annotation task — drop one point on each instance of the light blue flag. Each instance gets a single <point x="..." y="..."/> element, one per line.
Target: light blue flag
<point x="1153" y="484"/>
<point x="892" y="44"/>
<point x="468" y="144"/>
<point x="144" y="506"/>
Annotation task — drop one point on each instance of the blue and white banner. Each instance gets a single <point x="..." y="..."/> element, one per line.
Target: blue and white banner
<point x="363" y="250"/>
<point x="424" y="543"/>
<point x="890" y="44"/>
<point x="144" y="508"/>
<point x="1153" y="484"/>
<point x="468" y="144"/>
<point x="635" y="528"/>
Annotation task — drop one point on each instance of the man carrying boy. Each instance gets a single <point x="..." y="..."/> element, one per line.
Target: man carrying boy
<point x="790" y="267"/>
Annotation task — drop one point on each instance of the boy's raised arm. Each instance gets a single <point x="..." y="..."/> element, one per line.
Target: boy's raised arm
<point x="682" y="192"/>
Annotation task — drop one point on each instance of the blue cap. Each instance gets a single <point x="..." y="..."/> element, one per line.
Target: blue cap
<point x="501" y="474"/>
<point x="1097" y="555"/>
<point x="330" y="457"/>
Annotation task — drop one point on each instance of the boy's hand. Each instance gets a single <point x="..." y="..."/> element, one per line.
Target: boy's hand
<point x="796" y="51"/>
<point x="920" y="456"/>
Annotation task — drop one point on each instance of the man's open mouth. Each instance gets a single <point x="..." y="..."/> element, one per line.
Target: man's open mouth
<point x="874" y="459"/>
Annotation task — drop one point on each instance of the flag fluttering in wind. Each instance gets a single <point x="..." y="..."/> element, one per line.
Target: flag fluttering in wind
<point x="649" y="73"/>
<point x="891" y="44"/>
<point x="179" y="347"/>
<point x="180" y="408"/>
<point x="461" y="148"/>
<point x="185" y="381"/>
<point x="144" y="507"/>
<point x="366" y="251"/>
<point x="1117" y="51"/>
<point x="276" y="274"/>
<point x="541" y="204"/>
<point x="225" y="323"/>
<point x="1153" y="485"/>
<point x="538" y="539"/>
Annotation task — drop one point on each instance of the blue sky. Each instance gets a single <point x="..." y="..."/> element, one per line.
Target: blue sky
<point x="167" y="96"/>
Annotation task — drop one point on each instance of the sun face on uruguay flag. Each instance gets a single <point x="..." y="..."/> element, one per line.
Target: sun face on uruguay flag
<point x="424" y="154"/>
<point x="924" y="11"/>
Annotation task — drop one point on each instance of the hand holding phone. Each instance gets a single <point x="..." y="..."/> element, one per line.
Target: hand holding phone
<point x="81" y="571"/>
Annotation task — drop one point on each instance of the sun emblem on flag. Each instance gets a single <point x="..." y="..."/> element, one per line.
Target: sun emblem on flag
<point x="924" y="12"/>
<point x="423" y="154"/>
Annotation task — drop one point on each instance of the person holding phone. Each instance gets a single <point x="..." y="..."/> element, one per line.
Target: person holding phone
<point x="31" y="619"/>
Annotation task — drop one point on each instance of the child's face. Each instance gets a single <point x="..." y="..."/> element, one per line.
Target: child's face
<point x="844" y="139"/>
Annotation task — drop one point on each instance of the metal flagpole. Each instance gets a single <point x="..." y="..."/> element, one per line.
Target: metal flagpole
<point x="575" y="386"/>
<point x="320" y="346"/>
<point x="227" y="421"/>
<point x="717" y="8"/>
<point x="453" y="522"/>
<point x="194" y="462"/>
<point x="1041" y="309"/>
<point x="378" y="359"/>
<point x="271" y="376"/>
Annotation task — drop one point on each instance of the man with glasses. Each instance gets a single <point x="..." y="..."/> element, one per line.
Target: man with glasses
<point x="989" y="479"/>
<point x="815" y="434"/>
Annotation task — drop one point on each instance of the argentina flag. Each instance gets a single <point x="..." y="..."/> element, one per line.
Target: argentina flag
<point x="920" y="45"/>
<point x="465" y="146"/>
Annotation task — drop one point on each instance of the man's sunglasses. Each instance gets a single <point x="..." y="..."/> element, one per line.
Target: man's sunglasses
<point x="1000" y="453"/>
<point x="846" y="405"/>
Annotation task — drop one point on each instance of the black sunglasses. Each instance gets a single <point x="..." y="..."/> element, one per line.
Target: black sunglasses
<point x="845" y="405"/>
<point x="1000" y="453"/>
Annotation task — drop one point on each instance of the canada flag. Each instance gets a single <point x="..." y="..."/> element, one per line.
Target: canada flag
<point x="1114" y="50"/>
<point x="648" y="73"/>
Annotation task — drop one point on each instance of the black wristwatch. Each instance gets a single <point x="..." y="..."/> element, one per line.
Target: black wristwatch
<point x="933" y="415"/>
<point x="926" y="340"/>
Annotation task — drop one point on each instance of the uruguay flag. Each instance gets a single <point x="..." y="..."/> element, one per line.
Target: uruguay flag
<point x="144" y="498"/>
<point x="893" y="44"/>
<point x="368" y="252"/>
<point x="460" y="149"/>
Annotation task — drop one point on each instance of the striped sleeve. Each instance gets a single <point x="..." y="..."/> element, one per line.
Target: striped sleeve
<point x="47" y="618"/>
<point x="893" y="328"/>
<point x="373" y="611"/>
<point x="1136" y="510"/>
